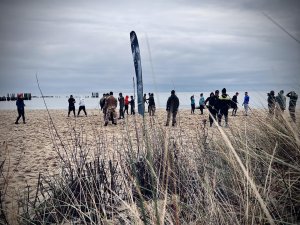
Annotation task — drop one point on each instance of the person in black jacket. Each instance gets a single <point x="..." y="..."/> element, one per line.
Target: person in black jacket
<point x="151" y="106"/>
<point x="234" y="103"/>
<point x="20" y="106"/>
<point x="223" y="105"/>
<point x="71" y="101"/>
<point x="212" y="101"/>
<point x="271" y="102"/>
<point x="172" y="108"/>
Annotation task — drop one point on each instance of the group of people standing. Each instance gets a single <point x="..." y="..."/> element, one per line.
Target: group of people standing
<point x="219" y="105"/>
<point x="277" y="104"/>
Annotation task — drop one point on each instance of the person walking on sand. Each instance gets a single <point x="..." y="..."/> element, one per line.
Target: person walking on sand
<point x="21" y="108"/>
<point x="111" y="104"/>
<point x="234" y="103"/>
<point x="246" y="103"/>
<point x="126" y="102"/>
<point x="271" y="102"/>
<point x="121" y="103"/>
<point x="72" y="102"/>
<point x="292" y="104"/>
<point x="280" y="103"/>
<point x="172" y="108"/>
<point x="193" y="104"/>
<point x="132" y="105"/>
<point x="223" y="105"/>
<point x="201" y="103"/>
<point x="81" y="106"/>
<point x="151" y="103"/>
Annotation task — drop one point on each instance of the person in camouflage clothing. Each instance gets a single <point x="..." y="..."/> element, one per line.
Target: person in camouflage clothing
<point x="111" y="104"/>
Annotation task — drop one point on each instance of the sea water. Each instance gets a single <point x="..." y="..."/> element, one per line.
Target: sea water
<point x="258" y="100"/>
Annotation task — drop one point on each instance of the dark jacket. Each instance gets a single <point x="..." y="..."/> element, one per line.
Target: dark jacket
<point x="281" y="100"/>
<point x="293" y="99"/>
<point x="212" y="102"/>
<point x="173" y="103"/>
<point x="121" y="102"/>
<point x="151" y="101"/>
<point x="71" y="102"/>
<point x="224" y="102"/>
<point x="271" y="101"/>
<point x="20" y="104"/>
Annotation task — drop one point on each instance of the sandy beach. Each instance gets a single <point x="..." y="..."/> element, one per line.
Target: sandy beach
<point x="29" y="149"/>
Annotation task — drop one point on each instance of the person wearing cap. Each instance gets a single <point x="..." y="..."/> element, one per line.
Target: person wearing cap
<point x="271" y="102"/>
<point x="292" y="104"/>
<point x="212" y="102"/>
<point x="111" y="104"/>
<point x="172" y="108"/>
<point x="234" y="103"/>
<point x="224" y="104"/>
<point x="72" y="102"/>
<point x="246" y="103"/>
<point x="20" y="107"/>
<point x="81" y="106"/>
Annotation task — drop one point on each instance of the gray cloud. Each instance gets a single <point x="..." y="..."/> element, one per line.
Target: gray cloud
<point x="77" y="46"/>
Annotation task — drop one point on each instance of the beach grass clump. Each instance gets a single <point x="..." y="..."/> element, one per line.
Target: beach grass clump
<point x="156" y="175"/>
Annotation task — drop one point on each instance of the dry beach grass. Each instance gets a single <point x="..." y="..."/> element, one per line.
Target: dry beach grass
<point x="76" y="171"/>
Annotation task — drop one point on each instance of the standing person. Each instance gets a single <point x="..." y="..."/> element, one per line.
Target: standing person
<point x="132" y="105"/>
<point x="292" y="104"/>
<point x="104" y="109"/>
<point x="121" y="103"/>
<point x="151" y="103"/>
<point x="111" y="105"/>
<point x="223" y="105"/>
<point x="102" y="101"/>
<point x="81" y="106"/>
<point x="281" y="102"/>
<point x="212" y="101"/>
<point x="201" y="103"/>
<point x="72" y="102"/>
<point x="271" y="102"/>
<point x="192" y="104"/>
<point x="20" y="107"/>
<point x="246" y="103"/>
<point x="145" y="102"/>
<point x="172" y="108"/>
<point x="234" y="103"/>
<point x="126" y="104"/>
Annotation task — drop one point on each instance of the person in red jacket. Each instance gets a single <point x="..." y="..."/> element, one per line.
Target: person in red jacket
<point x="126" y="103"/>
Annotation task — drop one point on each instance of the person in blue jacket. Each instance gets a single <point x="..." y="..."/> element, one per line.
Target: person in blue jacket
<point x="21" y="110"/>
<point x="246" y="103"/>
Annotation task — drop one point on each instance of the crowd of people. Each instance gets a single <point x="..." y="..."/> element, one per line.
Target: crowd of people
<point x="217" y="104"/>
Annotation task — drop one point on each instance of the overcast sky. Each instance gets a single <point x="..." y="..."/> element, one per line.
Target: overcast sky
<point x="201" y="45"/>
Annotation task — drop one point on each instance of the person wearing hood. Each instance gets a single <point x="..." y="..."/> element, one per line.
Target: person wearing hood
<point x="172" y="108"/>
<point x="271" y="102"/>
<point x="292" y="104"/>
<point x="224" y="104"/>
<point x="201" y="103"/>
<point x="281" y="102"/>
<point x="20" y="106"/>
<point x="72" y="102"/>
<point x="81" y="106"/>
